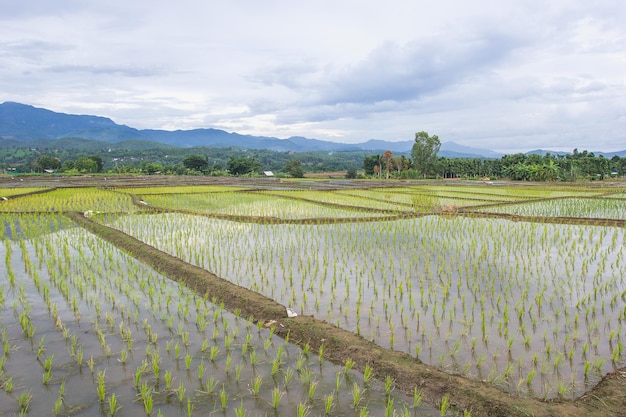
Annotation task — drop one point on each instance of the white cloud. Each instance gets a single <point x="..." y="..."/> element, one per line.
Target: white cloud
<point x="507" y="75"/>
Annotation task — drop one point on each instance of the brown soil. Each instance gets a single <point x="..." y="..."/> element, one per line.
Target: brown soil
<point x="608" y="398"/>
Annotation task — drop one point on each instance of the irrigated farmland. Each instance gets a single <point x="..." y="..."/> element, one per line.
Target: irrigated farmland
<point x="430" y="300"/>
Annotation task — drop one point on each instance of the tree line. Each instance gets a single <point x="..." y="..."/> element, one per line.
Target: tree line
<point x="421" y="162"/>
<point x="424" y="163"/>
<point x="175" y="161"/>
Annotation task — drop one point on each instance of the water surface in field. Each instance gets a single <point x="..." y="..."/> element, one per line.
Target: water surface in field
<point x="537" y="309"/>
<point x="75" y="305"/>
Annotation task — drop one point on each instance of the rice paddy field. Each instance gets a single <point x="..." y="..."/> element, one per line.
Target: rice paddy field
<point x="530" y="308"/>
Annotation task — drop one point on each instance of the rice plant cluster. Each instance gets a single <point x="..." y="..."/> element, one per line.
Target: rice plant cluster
<point x="248" y="204"/>
<point x="87" y="330"/>
<point x="189" y="189"/>
<point x="9" y="192"/>
<point x="535" y="308"/>
<point x="69" y="199"/>
<point x="603" y="208"/>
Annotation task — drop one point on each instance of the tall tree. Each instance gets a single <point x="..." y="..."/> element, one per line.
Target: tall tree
<point x="293" y="167"/>
<point x="46" y="162"/>
<point x="387" y="160"/>
<point x="86" y="165"/>
<point x="243" y="166"/>
<point x="99" y="162"/>
<point x="196" y="163"/>
<point x="369" y="163"/>
<point x="424" y="152"/>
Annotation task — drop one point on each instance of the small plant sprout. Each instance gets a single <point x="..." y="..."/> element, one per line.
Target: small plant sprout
<point x="339" y="378"/>
<point x="91" y="363"/>
<point x="302" y="410"/>
<point x="312" y="387"/>
<point x="257" y="382"/>
<point x="445" y="404"/>
<point x="201" y="370"/>
<point x="329" y="403"/>
<point x="367" y="374"/>
<point x="101" y="389"/>
<point x="113" y="406"/>
<point x="223" y="398"/>
<point x="180" y="392"/>
<point x="46" y="376"/>
<point x="168" y="380"/>
<point x="417" y="397"/>
<point x="211" y="386"/>
<point x="288" y="375"/>
<point x="215" y="350"/>
<point x="238" y="370"/>
<point x="123" y="356"/>
<point x="357" y="395"/>
<point x="146" y="398"/>
<point x="348" y="366"/>
<point x="277" y="395"/>
<point x="24" y="400"/>
<point x="389" y="385"/>
<point x="190" y="407"/>
<point x="240" y="411"/>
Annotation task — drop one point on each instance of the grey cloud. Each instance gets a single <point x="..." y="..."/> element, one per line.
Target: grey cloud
<point x="407" y="72"/>
<point x="18" y="9"/>
<point x="390" y="77"/>
<point x="128" y="71"/>
<point x="31" y="50"/>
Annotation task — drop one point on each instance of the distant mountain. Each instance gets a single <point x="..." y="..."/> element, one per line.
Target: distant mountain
<point x="607" y="155"/>
<point x="22" y="124"/>
<point x="377" y="145"/>
<point x="216" y="138"/>
<point x="544" y="152"/>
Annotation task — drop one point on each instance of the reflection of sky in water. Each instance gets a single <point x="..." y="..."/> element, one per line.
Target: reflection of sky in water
<point x="93" y="287"/>
<point x="26" y="226"/>
<point x="430" y="282"/>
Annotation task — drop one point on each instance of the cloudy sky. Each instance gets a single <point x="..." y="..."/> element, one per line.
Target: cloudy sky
<point x="507" y="75"/>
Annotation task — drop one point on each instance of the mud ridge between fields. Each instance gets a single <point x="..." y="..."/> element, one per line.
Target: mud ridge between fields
<point x="608" y="398"/>
<point x="390" y="215"/>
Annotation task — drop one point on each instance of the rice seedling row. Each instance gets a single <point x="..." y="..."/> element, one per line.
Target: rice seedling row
<point x="189" y="189"/>
<point x="9" y="192"/>
<point x="467" y="194"/>
<point x="537" y="309"/>
<point x="524" y="192"/>
<point x="67" y="199"/>
<point x="339" y="200"/>
<point x="247" y="204"/>
<point x="418" y="202"/>
<point x="88" y="330"/>
<point x="600" y="208"/>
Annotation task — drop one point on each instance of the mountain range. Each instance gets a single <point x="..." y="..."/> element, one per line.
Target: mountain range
<point x="22" y="124"/>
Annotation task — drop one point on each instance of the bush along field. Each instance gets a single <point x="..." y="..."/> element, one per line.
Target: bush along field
<point x="412" y="300"/>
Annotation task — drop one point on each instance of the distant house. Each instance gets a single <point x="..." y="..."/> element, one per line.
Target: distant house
<point x="268" y="173"/>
